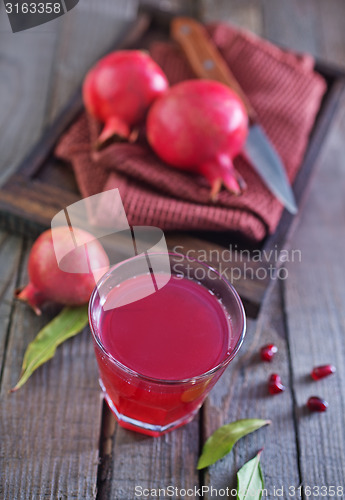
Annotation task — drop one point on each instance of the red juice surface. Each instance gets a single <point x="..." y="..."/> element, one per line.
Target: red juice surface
<point x="178" y="332"/>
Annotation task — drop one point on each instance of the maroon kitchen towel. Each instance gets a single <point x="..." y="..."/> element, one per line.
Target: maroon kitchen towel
<point x="286" y="93"/>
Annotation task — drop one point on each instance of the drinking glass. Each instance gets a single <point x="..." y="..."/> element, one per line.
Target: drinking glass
<point x="151" y="405"/>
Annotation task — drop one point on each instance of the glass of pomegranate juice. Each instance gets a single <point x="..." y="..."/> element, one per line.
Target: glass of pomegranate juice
<point x="163" y="336"/>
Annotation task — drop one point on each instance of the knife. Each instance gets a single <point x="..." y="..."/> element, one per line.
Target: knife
<point x="207" y="62"/>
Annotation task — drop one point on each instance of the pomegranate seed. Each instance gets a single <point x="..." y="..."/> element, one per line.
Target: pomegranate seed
<point x="268" y="351"/>
<point x="275" y="385"/>
<point x="315" y="403"/>
<point x="322" y="371"/>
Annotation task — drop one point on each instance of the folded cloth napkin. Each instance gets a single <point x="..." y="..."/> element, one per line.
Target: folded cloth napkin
<point x="286" y="93"/>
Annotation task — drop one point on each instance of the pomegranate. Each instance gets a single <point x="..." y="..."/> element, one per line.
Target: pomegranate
<point x="119" y="89"/>
<point x="275" y="385"/>
<point x="268" y="351"/>
<point x="322" y="371"/>
<point x="315" y="403"/>
<point x="49" y="283"/>
<point x="200" y="126"/>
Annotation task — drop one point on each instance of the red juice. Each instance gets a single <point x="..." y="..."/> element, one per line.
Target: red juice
<point x="160" y="352"/>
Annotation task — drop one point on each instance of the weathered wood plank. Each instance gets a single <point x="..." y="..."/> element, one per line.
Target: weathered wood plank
<point x="26" y="64"/>
<point x="50" y="427"/>
<point x="293" y="24"/>
<point x="85" y="35"/>
<point x="310" y="26"/>
<point x="10" y="253"/>
<point x="144" y="462"/>
<point x="242" y="393"/>
<point x="244" y="13"/>
<point x="332" y="17"/>
<point x="315" y="299"/>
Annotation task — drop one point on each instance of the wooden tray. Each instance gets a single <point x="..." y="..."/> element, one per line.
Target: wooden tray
<point x="43" y="185"/>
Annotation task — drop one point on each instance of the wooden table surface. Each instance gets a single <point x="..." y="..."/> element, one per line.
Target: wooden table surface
<point x="57" y="438"/>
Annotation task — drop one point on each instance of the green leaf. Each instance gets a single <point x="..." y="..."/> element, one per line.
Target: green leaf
<point x="223" y="439"/>
<point x="250" y="481"/>
<point x="69" y="322"/>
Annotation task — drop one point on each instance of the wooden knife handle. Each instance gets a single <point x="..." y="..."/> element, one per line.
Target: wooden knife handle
<point x="204" y="57"/>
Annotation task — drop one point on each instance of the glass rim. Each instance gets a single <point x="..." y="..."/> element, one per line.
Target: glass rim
<point x="154" y="380"/>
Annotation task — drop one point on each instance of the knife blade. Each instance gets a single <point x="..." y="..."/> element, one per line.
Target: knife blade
<point x="207" y="62"/>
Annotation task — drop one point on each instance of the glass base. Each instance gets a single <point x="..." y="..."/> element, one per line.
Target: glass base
<point x="143" y="427"/>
